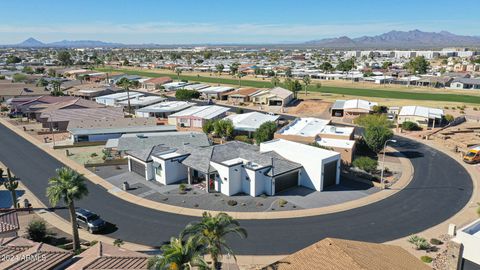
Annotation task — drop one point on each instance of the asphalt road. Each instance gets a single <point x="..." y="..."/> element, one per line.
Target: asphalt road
<point x="441" y="187"/>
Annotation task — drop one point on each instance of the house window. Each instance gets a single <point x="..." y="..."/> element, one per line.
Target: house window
<point x="158" y="170"/>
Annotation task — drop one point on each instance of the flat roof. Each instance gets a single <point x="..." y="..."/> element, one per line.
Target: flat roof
<point x="167" y="106"/>
<point x="307" y="126"/>
<point x="216" y="89"/>
<point x="295" y="149"/>
<point x="205" y="112"/>
<point x="142" y="100"/>
<point x="421" y="111"/>
<point x="250" y="121"/>
<point x="328" y="142"/>
<point x="120" y="95"/>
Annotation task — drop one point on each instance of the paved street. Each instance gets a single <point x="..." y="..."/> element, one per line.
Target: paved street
<point x="440" y="188"/>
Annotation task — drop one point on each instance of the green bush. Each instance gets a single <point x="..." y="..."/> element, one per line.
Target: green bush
<point x="37" y="230"/>
<point x="449" y="118"/>
<point x="282" y="202"/>
<point x="243" y="138"/>
<point x="408" y="125"/>
<point x="2" y="77"/>
<point x="365" y="163"/>
<point x="435" y="241"/>
<point x="419" y="242"/>
<point x="182" y="187"/>
<point x="426" y="259"/>
<point x="183" y="94"/>
<point x="239" y="110"/>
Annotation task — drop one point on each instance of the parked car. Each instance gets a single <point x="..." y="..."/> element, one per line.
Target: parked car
<point x="89" y="220"/>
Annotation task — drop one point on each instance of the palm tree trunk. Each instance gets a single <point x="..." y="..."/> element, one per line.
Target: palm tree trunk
<point x="128" y="99"/>
<point x="14" y="198"/>
<point x="73" y="222"/>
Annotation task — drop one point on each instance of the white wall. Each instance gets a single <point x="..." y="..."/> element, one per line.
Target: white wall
<point x="149" y="173"/>
<point x="471" y="243"/>
<point x="172" y="171"/>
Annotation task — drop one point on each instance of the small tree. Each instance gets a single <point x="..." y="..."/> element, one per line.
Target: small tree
<point x="208" y="127"/>
<point x="449" y="118"/>
<point x="365" y="163"/>
<point x="19" y="77"/>
<point x="376" y="130"/>
<point x="11" y="185"/>
<point x="184" y="94"/>
<point x="265" y="132"/>
<point x="223" y="128"/>
<point x="37" y="230"/>
<point x="306" y="81"/>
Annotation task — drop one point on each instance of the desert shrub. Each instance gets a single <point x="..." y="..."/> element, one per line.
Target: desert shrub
<point x="419" y="242"/>
<point x="365" y="163"/>
<point x="426" y="259"/>
<point x="239" y="110"/>
<point x="182" y="187"/>
<point x="243" y="138"/>
<point x="232" y="202"/>
<point x="449" y="118"/>
<point x="282" y="202"/>
<point x="93" y="155"/>
<point x="435" y="241"/>
<point x="408" y="125"/>
<point x="475" y="108"/>
<point x="37" y="230"/>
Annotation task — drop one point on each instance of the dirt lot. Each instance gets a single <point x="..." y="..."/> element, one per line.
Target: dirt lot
<point x="311" y="108"/>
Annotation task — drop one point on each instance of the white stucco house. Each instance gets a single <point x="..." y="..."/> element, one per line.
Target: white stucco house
<point x="237" y="167"/>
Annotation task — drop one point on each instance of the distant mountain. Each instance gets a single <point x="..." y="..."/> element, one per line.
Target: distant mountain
<point x="30" y="42"/>
<point x="84" y="43"/>
<point x="399" y="39"/>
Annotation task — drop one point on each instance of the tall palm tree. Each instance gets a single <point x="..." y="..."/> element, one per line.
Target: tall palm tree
<point x="179" y="255"/>
<point x="126" y="84"/>
<point x="178" y="71"/>
<point x="11" y="185"/>
<point x="68" y="186"/>
<point x="306" y="81"/>
<point x="212" y="230"/>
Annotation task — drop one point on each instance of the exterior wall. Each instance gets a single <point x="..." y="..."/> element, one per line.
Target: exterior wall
<point x="421" y="121"/>
<point x="223" y="182"/>
<point x="337" y="136"/>
<point x="295" y="138"/>
<point x="172" y="171"/>
<point x="345" y="153"/>
<point x="470" y="242"/>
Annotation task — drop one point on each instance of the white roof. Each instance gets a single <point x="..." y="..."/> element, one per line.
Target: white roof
<point x="196" y="86"/>
<point x="293" y="150"/>
<point x="205" y="112"/>
<point x="216" y="89"/>
<point x="250" y="121"/>
<point x="142" y="100"/>
<point x="307" y="126"/>
<point x="328" y="142"/>
<point x="359" y="104"/>
<point x="120" y="96"/>
<point x="174" y="84"/>
<point x="421" y="111"/>
<point x="167" y="106"/>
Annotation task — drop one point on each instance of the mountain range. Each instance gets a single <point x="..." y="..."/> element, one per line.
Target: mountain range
<point x="399" y="39"/>
<point x="391" y="40"/>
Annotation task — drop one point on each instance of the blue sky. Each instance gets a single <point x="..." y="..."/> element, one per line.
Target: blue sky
<point x="246" y="21"/>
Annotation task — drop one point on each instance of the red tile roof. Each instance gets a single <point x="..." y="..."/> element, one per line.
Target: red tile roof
<point x="9" y="222"/>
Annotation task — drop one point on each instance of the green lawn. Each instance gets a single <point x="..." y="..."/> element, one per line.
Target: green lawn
<point x="324" y="89"/>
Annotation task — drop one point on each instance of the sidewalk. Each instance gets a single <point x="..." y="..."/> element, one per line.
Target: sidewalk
<point x="399" y="185"/>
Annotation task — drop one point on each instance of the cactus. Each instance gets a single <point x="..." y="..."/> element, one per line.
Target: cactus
<point x="11" y="185"/>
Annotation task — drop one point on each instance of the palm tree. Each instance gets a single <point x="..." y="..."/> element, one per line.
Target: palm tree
<point x="212" y="230"/>
<point x="275" y="81"/>
<point x="126" y="84"/>
<point x="179" y="255"/>
<point x="68" y="186"/>
<point x="306" y="81"/>
<point x="11" y="185"/>
<point x="178" y="71"/>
